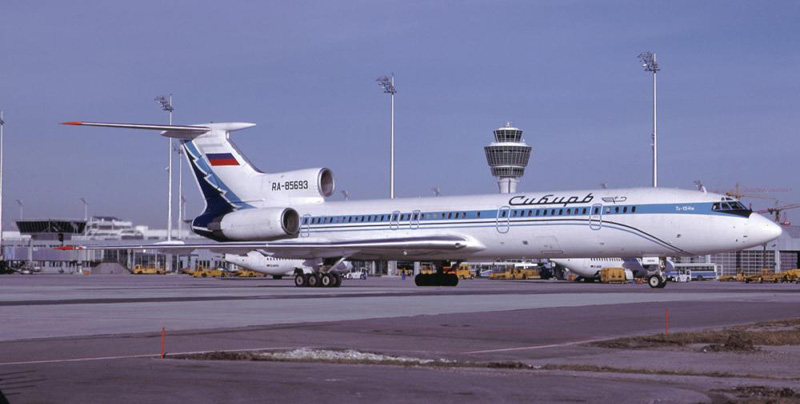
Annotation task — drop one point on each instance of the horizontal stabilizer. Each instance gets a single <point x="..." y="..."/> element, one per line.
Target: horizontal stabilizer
<point x="178" y="128"/>
<point x="176" y="131"/>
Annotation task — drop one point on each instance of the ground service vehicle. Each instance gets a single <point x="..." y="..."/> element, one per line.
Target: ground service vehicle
<point x="143" y="270"/>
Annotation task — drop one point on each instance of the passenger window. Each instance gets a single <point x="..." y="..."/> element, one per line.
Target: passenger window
<point x="625" y="210"/>
<point x="537" y="212"/>
<point x="478" y="214"/>
<point x="544" y="212"/>
<point x="596" y="211"/>
<point x="616" y="209"/>
<point x="568" y="211"/>
<point x="584" y="211"/>
<point x="633" y="209"/>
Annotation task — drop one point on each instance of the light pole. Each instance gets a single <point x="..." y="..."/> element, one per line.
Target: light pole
<point x="85" y="209"/>
<point x="21" y="205"/>
<point x="179" y="149"/>
<point x="387" y="84"/>
<point x="388" y="88"/>
<point x="2" y="124"/>
<point x="650" y="65"/>
<point x="166" y="105"/>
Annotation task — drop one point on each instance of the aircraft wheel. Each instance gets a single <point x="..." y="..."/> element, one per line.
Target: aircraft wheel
<point x="663" y="284"/>
<point x="451" y="280"/>
<point x="337" y="280"/>
<point x="654" y="281"/>
<point x="313" y="280"/>
<point x="423" y="280"/>
<point x="326" y="280"/>
<point x="300" y="280"/>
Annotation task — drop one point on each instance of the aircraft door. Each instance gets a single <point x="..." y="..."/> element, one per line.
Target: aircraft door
<point x="305" y="228"/>
<point x="503" y="219"/>
<point x="394" y="221"/>
<point x="596" y="217"/>
<point x="414" y="223"/>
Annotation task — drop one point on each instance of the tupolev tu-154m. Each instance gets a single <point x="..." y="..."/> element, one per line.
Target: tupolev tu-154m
<point x="286" y="215"/>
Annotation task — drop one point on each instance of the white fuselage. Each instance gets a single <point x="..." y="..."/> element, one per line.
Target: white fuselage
<point x="269" y="265"/>
<point x="265" y="264"/>
<point x="569" y="224"/>
<point x="590" y="267"/>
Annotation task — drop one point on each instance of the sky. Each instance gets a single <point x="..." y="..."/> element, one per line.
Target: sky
<point x="566" y="72"/>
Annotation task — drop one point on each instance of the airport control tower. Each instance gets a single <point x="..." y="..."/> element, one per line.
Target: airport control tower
<point x="508" y="156"/>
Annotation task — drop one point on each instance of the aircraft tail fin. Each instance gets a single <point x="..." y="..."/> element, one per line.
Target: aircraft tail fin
<point x="227" y="180"/>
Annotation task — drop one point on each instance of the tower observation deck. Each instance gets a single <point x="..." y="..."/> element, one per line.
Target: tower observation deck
<point x="508" y="156"/>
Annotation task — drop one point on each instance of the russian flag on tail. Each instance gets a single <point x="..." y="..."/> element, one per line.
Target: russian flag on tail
<point x="222" y="159"/>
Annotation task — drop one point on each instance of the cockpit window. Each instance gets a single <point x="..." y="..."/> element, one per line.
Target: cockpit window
<point x="731" y="206"/>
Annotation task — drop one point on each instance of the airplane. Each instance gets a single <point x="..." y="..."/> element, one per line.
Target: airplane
<point x="286" y="214"/>
<point x="589" y="268"/>
<point x="277" y="267"/>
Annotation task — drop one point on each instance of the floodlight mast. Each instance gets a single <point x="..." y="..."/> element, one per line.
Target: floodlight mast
<point x="2" y="124"/>
<point x="85" y="209"/>
<point x="650" y="65"/>
<point x="179" y="149"/>
<point x="387" y="84"/>
<point x="166" y="105"/>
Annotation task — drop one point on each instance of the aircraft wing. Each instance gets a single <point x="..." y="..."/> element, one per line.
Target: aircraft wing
<point x="303" y="249"/>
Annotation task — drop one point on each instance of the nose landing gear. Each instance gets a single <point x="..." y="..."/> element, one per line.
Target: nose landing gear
<point x="657" y="278"/>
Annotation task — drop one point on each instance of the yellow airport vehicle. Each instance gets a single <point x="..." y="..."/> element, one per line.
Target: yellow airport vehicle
<point x="143" y="270"/>
<point x="790" y="275"/>
<point x="732" y="278"/>
<point x="765" y="275"/>
<point x="248" y="273"/>
<point x="462" y="272"/>
<point x="612" y="275"/>
<point x="516" y="274"/>
<point x="209" y="273"/>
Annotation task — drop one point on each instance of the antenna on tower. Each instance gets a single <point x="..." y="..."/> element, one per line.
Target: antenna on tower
<point x="436" y="191"/>
<point x="346" y="195"/>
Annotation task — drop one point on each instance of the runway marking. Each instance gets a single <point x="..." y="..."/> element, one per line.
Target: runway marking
<point x="105" y="358"/>
<point x="525" y="348"/>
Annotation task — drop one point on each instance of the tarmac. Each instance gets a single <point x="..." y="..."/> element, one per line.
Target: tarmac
<point x="98" y="338"/>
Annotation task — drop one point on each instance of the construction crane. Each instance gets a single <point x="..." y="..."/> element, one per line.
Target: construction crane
<point x="778" y="209"/>
<point x="740" y="193"/>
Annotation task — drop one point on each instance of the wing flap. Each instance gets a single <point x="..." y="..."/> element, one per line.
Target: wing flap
<point x="296" y="248"/>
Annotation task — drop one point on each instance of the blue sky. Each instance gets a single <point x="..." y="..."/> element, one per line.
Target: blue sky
<point x="563" y="71"/>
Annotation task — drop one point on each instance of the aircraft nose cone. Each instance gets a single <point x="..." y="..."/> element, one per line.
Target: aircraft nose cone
<point x="763" y="230"/>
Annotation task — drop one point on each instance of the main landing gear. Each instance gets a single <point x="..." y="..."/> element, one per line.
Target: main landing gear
<point x="322" y="276"/>
<point x="438" y="278"/>
<point x="315" y="279"/>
